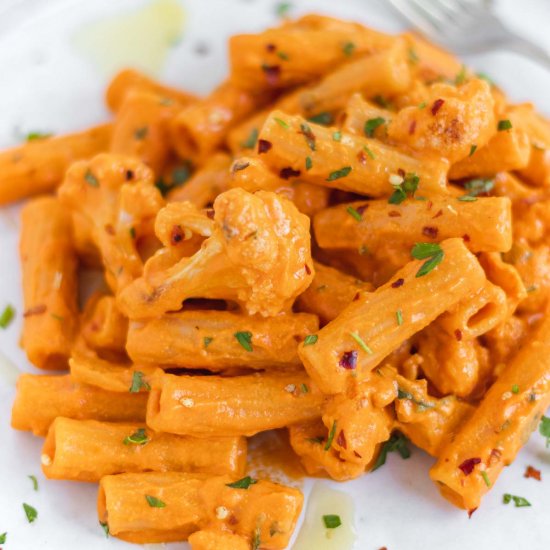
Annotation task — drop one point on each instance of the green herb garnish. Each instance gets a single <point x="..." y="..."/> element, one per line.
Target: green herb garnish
<point x="361" y="342"/>
<point x="309" y="163"/>
<point x="519" y="502"/>
<point x="310" y="339"/>
<point x="331" y="435"/>
<point x="337" y="174"/>
<point x="139" y="437"/>
<point x="250" y="141"/>
<point x="504" y="125"/>
<point x="399" y="317"/>
<point x="413" y="56"/>
<point x="479" y="186"/>
<point x="433" y="251"/>
<point x="7" y="316"/>
<point x="515" y="388"/>
<point x="282" y="123"/>
<point x="91" y="179"/>
<point x="207" y="340"/>
<point x="372" y="124"/>
<point x="138" y="382"/>
<point x="337" y="136"/>
<point x="407" y="188"/>
<point x="105" y="527"/>
<point x="322" y="118"/>
<point x="369" y="152"/>
<point x="3" y="538"/>
<point x="402" y="394"/>
<point x="544" y="429"/>
<point x="354" y="213"/>
<point x="245" y="339"/>
<point x="30" y="512"/>
<point x="283" y="8"/>
<point x="154" y="502"/>
<point x="485" y="478"/>
<point x="34" y="482"/>
<point x="332" y="521"/>
<point x="348" y="48"/>
<point x="34" y="136"/>
<point x="243" y="483"/>
<point x="473" y="149"/>
<point x="141" y="133"/>
<point x="397" y="442"/>
<point x="461" y="76"/>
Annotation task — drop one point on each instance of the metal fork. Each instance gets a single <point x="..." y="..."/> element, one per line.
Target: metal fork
<point x="466" y="27"/>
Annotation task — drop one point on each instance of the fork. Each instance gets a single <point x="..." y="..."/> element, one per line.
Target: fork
<point x="466" y="27"/>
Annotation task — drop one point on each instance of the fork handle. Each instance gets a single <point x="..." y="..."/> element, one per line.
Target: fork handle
<point x="529" y="49"/>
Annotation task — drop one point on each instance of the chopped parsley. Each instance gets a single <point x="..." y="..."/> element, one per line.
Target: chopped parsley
<point x="407" y="188"/>
<point x="322" y="118"/>
<point x="7" y="316"/>
<point x="139" y="437"/>
<point x="361" y="342"/>
<point x="348" y="48"/>
<point x="138" y="382"/>
<point x="332" y="521"/>
<point x="515" y="388"/>
<point x="91" y="179"/>
<point x="473" y="149"/>
<point x="423" y="105"/>
<point x="397" y="442"/>
<point x="544" y="429"/>
<point x="486" y="77"/>
<point x="413" y="56"/>
<point x="304" y="388"/>
<point x="461" y="76"/>
<point x="485" y="478"/>
<point x="245" y="339"/>
<point x="372" y="124"/>
<point x="381" y="101"/>
<point x="307" y="132"/>
<point x="399" y="317"/>
<point x="30" y="512"/>
<point x="256" y="540"/>
<point x="331" y="435"/>
<point x="467" y="198"/>
<point x="180" y="175"/>
<point x="519" y="502"/>
<point x="402" y="394"/>
<point x="133" y="232"/>
<point x="504" y="125"/>
<point x="250" y="141"/>
<point x="310" y="339"/>
<point x="3" y="538"/>
<point x="154" y="502"/>
<point x="283" y="56"/>
<point x="337" y="136"/>
<point x="207" y="340"/>
<point x="282" y="123"/>
<point x="337" y="174"/>
<point x="309" y="163"/>
<point x="369" y="152"/>
<point x="34" y="136"/>
<point x="105" y="527"/>
<point x="141" y="133"/>
<point x="34" y="482"/>
<point x="283" y="8"/>
<point x="354" y="213"/>
<point x="243" y="483"/>
<point x="479" y="186"/>
<point x="432" y="251"/>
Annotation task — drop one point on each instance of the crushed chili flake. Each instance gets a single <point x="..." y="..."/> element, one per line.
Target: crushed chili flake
<point x="341" y="440"/>
<point x="362" y="208"/>
<point x="237" y="166"/>
<point x="264" y="146"/>
<point x="495" y="456"/>
<point x="272" y="73"/>
<point x="176" y="236"/>
<point x="437" y="104"/>
<point x="468" y="465"/>
<point x="357" y="454"/>
<point x="412" y="127"/>
<point x="470" y="512"/>
<point x="356" y="297"/>
<point x="270" y="47"/>
<point x="394" y="214"/>
<point x="36" y="310"/>
<point x="533" y="473"/>
<point x="129" y="175"/>
<point x="109" y="229"/>
<point x="398" y="283"/>
<point x="401" y="172"/>
<point x="429" y="205"/>
<point x="458" y="334"/>
<point x="348" y="360"/>
<point x="439" y="213"/>
<point x="308" y="269"/>
<point x="466" y="237"/>
<point x="210" y="213"/>
<point x="289" y="172"/>
<point x="362" y="157"/>
<point x="429" y="231"/>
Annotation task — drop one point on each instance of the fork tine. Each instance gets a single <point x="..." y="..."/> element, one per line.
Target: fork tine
<point x="409" y="12"/>
<point x="430" y="10"/>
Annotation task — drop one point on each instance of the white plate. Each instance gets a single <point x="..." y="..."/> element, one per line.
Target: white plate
<point x="47" y="84"/>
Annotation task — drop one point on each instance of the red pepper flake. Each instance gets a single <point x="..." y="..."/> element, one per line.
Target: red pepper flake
<point x="36" y="310"/>
<point x="264" y="146"/>
<point x="308" y="269"/>
<point x="348" y="360"/>
<point x="356" y="297"/>
<point x="210" y="213"/>
<point x="468" y="465"/>
<point x="398" y="283"/>
<point x="439" y="213"/>
<point x="430" y="231"/>
<point x="232" y="520"/>
<point x="237" y="166"/>
<point x="289" y="172"/>
<point x="361" y="209"/>
<point x="401" y="172"/>
<point x="533" y="473"/>
<point x="176" y="236"/>
<point x="412" y="127"/>
<point x="458" y="335"/>
<point x="129" y="175"/>
<point x="272" y="73"/>
<point x="429" y="205"/>
<point x="362" y="157"/>
<point x="341" y="440"/>
<point x="438" y="103"/>
<point x="470" y="512"/>
<point x="495" y="456"/>
<point x="110" y="229"/>
<point x="394" y="214"/>
<point x="357" y="454"/>
<point x="466" y="238"/>
<point x="270" y="47"/>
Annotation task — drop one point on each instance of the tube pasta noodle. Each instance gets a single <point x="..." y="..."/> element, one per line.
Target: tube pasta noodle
<point x="41" y="399"/>
<point x="193" y="502"/>
<point x="186" y="404"/>
<point x="87" y="450"/>
<point x="129" y="80"/>
<point x="347" y="238"/>
<point x="206" y="339"/>
<point x="49" y="267"/>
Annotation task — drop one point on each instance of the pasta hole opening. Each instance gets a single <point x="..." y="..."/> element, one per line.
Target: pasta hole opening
<point x="482" y="317"/>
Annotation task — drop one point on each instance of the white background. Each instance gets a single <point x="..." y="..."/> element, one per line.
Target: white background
<point x="45" y="84"/>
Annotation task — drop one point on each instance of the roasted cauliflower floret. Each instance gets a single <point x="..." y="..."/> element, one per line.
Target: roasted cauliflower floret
<point x="256" y="253"/>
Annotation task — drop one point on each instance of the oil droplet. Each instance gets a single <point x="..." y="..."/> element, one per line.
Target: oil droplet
<point x="139" y="39"/>
<point x="322" y="501"/>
